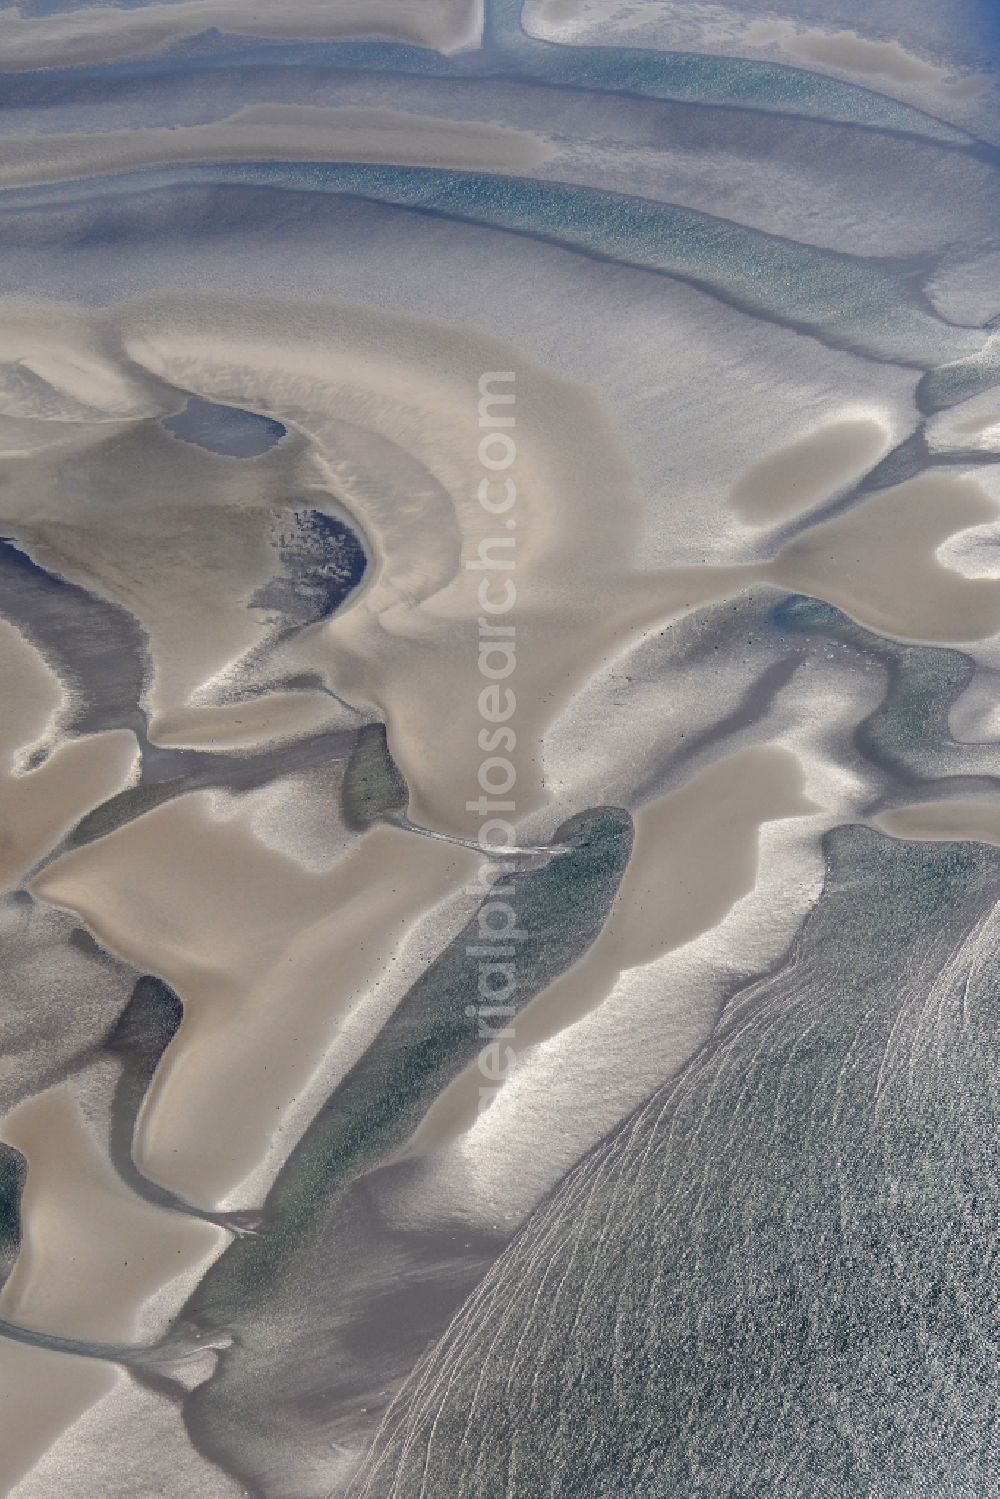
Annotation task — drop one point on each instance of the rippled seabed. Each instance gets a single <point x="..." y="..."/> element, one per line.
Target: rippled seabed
<point x="574" y="428"/>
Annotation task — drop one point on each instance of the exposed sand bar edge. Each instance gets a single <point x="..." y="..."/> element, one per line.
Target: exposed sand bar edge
<point x="276" y="132"/>
<point x="694" y="857"/>
<point x="267" y="956"/>
<point x="103" y="33"/>
<point x="958" y="821"/>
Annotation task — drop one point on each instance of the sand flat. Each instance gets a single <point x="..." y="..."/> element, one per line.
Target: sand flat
<point x="102" y="32"/>
<point x="792" y="481"/>
<point x="955" y="820"/>
<point x="92" y="1251"/>
<point x="38" y="807"/>
<point x="695" y="855"/>
<point x="277" y="132"/>
<point x="856" y="562"/>
<point x="266" y="956"/>
<point x="41" y="1395"/>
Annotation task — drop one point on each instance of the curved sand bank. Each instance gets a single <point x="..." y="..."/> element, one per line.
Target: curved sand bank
<point x="399" y="451"/>
<point x="695" y="855"/>
<point x="847" y="52"/>
<point x="277" y="132"/>
<point x="103" y="33"/>
<point x="952" y="821"/>
<point x="95" y="1264"/>
<point x="267" y="957"/>
<point x="386" y="415"/>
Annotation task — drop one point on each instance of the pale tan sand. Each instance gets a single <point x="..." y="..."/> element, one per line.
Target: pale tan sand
<point x="942" y="822"/>
<point x="31" y="695"/>
<point x="847" y="52"/>
<point x="92" y="1252"/>
<point x="695" y="856"/>
<point x="92" y="1256"/>
<point x="277" y="132"/>
<point x="254" y="722"/>
<point x="971" y="426"/>
<point x="137" y="1435"/>
<point x="38" y="808"/>
<point x="850" y="53"/>
<point x="54" y="365"/>
<point x="792" y="481"/>
<point x="365" y="388"/>
<point x="26" y="437"/>
<point x="407" y="648"/>
<point x="187" y="583"/>
<point x="556" y="652"/>
<point x="41" y="1395"/>
<point x="877" y="562"/>
<point x="103" y="33"/>
<point x="266" y="956"/>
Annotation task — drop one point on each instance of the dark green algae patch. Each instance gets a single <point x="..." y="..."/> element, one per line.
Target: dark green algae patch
<point x="373" y="784"/>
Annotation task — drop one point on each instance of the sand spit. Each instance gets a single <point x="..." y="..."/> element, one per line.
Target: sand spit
<point x="105" y="33"/>
<point x="956" y="820"/>
<point x="277" y="132"/>
<point x="250" y="723"/>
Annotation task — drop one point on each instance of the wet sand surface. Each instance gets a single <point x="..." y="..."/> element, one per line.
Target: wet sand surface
<point x="947" y="822"/>
<point x="273" y="134"/>
<point x="268" y="958"/>
<point x="808" y="472"/>
<point x="497" y="586"/>
<point x="698" y="843"/>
